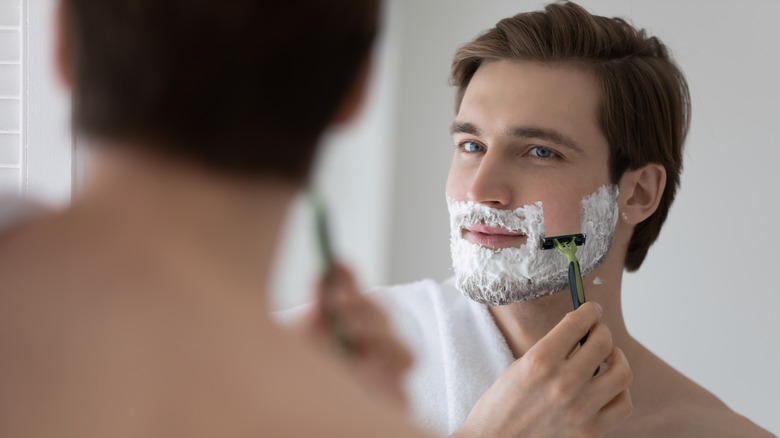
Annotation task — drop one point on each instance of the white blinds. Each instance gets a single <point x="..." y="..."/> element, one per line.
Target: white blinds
<point x="10" y="95"/>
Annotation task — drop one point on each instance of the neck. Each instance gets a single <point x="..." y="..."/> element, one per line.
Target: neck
<point x="524" y="324"/>
<point x="181" y="218"/>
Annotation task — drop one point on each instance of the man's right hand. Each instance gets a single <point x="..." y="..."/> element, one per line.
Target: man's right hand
<point x="366" y="342"/>
<point x="552" y="392"/>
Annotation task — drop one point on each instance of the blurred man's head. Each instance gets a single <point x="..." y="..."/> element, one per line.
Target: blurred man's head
<point x="244" y="86"/>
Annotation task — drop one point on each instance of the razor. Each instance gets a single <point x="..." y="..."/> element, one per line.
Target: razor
<point x="567" y="245"/>
<point x="340" y="339"/>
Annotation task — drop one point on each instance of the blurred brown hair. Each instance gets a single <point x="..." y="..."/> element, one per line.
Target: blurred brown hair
<point x="242" y="86"/>
<point x="645" y="108"/>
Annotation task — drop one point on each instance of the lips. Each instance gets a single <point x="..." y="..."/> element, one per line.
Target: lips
<point x="493" y="237"/>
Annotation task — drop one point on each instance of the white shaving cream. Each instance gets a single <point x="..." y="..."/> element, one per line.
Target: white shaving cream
<point x="503" y="276"/>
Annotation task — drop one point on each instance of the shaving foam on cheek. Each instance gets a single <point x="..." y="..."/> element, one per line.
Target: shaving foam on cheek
<point x="599" y="217"/>
<point x="500" y="276"/>
<point x="525" y="273"/>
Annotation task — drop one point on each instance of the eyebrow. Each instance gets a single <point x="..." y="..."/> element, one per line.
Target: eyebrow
<point x="545" y="134"/>
<point x="464" y="128"/>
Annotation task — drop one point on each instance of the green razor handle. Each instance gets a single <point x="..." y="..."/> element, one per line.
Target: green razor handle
<point x="569" y="249"/>
<point x="340" y="338"/>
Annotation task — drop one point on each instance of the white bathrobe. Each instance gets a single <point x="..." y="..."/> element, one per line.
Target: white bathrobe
<point x="459" y="352"/>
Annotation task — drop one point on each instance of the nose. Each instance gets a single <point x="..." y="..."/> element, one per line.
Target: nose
<point x="490" y="185"/>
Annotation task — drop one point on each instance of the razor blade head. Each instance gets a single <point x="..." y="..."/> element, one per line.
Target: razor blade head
<point x="549" y="242"/>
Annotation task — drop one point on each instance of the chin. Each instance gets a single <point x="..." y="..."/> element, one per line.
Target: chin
<point x="501" y="292"/>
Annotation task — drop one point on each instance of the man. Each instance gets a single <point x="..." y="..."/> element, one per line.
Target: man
<point x="566" y="123"/>
<point x="141" y="309"/>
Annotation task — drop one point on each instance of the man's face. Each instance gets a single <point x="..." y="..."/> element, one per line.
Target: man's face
<point x="526" y="133"/>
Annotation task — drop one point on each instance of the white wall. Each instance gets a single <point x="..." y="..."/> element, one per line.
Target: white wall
<point x="706" y="299"/>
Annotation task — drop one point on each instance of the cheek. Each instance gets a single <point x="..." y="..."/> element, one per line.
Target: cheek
<point x="456" y="187"/>
<point x="562" y="215"/>
<point x="563" y="207"/>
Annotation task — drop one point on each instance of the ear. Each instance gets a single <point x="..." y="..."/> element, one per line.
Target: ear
<point x="353" y="102"/>
<point x="640" y="192"/>
<point x="62" y="48"/>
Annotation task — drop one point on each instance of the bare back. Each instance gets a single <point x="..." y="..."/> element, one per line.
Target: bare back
<point x="100" y="338"/>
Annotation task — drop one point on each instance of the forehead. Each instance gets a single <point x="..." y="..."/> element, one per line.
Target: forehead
<point x="504" y="94"/>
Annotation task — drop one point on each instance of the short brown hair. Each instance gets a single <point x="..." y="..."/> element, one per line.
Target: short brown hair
<point x="243" y="86"/>
<point x="645" y="109"/>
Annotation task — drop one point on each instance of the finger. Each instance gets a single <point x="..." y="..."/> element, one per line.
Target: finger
<point x="365" y="331"/>
<point x="363" y="315"/>
<point x="323" y="292"/>
<point x="332" y="292"/>
<point x="613" y="381"/>
<point x="567" y="333"/>
<point x="344" y="279"/>
<point x="593" y="352"/>
<point x="358" y="318"/>
<point x="339" y="280"/>
<point x="343" y="293"/>
<point x="352" y="317"/>
<point x="322" y="310"/>
<point x="385" y="358"/>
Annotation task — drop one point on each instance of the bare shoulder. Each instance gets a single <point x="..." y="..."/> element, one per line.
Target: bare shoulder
<point x="325" y="400"/>
<point x="701" y="415"/>
<point x="143" y="353"/>
<point x="669" y="404"/>
<point x="714" y="419"/>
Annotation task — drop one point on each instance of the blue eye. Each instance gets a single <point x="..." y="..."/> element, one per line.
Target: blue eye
<point x="542" y="152"/>
<point x="472" y="146"/>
